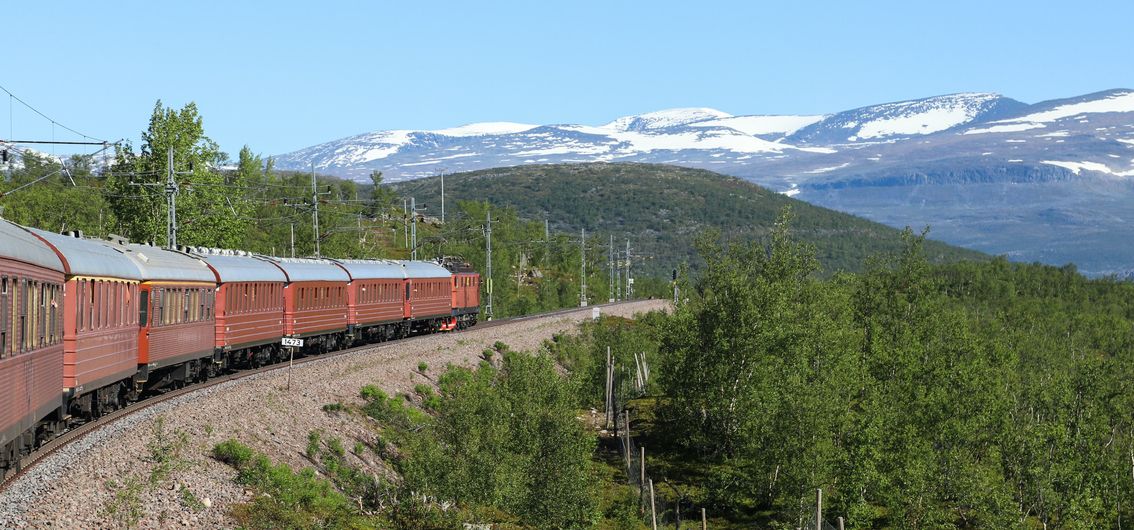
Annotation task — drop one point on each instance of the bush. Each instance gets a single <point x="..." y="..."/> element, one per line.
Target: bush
<point x="372" y="393"/>
<point x="232" y="453"/>
<point x="507" y="440"/>
<point x="293" y="500"/>
<point x="391" y="411"/>
<point x="312" y="444"/>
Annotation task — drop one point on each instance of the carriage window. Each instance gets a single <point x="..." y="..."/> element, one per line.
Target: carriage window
<point x="143" y="307"/>
<point x="3" y="317"/>
<point x="92" y="313"/>
<point x="23" y="315"/>
<point x="80" y="294"/>
<point x="154" y="304"/>
<point x="41" y="314"/>
<point x="52" y="314"/>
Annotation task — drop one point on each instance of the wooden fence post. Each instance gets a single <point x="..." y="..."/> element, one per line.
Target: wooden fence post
<point x="840" y="523"/>
<point x="653" y="507"/>
<point x="819" y="509"/>
<point x="642" y="477"/>
<point x="628" y="468"/>
<point x="705" y="522"/>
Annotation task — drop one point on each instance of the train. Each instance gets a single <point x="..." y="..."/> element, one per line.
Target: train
<point x="88" y="326"/>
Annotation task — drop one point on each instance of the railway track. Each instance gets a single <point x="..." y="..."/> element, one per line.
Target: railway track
<point x="28" y="462"/>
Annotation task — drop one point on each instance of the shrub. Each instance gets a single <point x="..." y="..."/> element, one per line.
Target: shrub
<point x="312" y="444"/>
<point x="232" y="453"/>
<point x="372" y="393"/>
<point x="293" y="499"/>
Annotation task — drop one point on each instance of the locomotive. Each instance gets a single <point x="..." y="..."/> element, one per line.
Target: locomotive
<point x="88" y="326"/>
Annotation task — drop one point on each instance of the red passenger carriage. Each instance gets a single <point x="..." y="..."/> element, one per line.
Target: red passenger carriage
<point x="100" y="323"/>
<point x="176" y="324"/>
<point x="249" y="306"/>
<point x="31" y="342"/>
<point x="375" y="299"/>
<point x="429" y="295"/>
<point x="315" y="302"/>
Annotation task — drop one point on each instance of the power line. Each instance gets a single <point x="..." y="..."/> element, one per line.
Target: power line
<point x="12" y="96"/>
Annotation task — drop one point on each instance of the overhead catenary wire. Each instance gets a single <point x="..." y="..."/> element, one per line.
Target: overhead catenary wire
<point x="53" y="121"/>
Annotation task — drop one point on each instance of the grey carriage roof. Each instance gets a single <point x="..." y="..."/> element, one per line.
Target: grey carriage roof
<point x="16" y="243"/>
<point x="424" y="269"/>
<point x="310" y="270"/>
<point x="157" y="264"/>
<point x="362" y="269"/>
<point x="90" y="257"/>
<point x="238" y="266"/>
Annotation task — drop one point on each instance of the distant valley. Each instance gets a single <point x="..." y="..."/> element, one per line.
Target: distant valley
<point x="1050" y="182"/>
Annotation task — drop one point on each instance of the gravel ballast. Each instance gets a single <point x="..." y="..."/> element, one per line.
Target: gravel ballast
<point x="107" y="479"/>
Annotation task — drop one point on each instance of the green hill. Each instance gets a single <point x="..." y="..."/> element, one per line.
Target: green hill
<point x="661" y="209"/>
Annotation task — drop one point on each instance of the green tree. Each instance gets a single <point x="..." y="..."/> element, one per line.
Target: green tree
<point x="380" y="196"/>
<point x="208" y="211"/>
<point x="508" y="438"/>
<point x="55" y="195"/>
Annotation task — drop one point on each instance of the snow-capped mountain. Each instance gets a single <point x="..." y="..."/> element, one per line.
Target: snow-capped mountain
<point x="654" y="136"/>
<point x="689" y="136"/>
<point x="982" y="169"/>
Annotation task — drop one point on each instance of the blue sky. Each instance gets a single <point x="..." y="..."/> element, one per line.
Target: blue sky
<point x="283" y="75"/>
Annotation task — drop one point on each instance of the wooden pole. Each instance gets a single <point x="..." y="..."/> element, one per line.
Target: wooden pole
<point x="819" y="509"/>
<point x="606" y="412"/>
<point x="840" y="523"/>
<point x="705" y="522"/>
<point x="290" y="364"/>
<point x="642" y="478"/>
<point x="653" y="508"/>
<point x="642" y="475"/>
<point x="629" y="468"/>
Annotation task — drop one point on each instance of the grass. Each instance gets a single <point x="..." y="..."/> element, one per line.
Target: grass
<point x="125" y="508"/>
<point x="313" y="439"/>
<point x="190" y="500"/>
<point x="164" y="451"/>
<point x="287" y="499"/>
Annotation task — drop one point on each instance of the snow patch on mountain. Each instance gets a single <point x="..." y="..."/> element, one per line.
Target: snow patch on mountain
<point x="367" y="147"/>
<point x="1117" y="102"/>
<point x="762" y="125"/>
<point x="1077" y="167"/>
<point x="631" y="142"/>
<point x="486" y="129"/>
<point x="903" y="118"/>
<point x="1015" y="127"/>
<point x="827" y="169"/>
<point x="926" y="116"/>
<point x="664" y="119"/>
